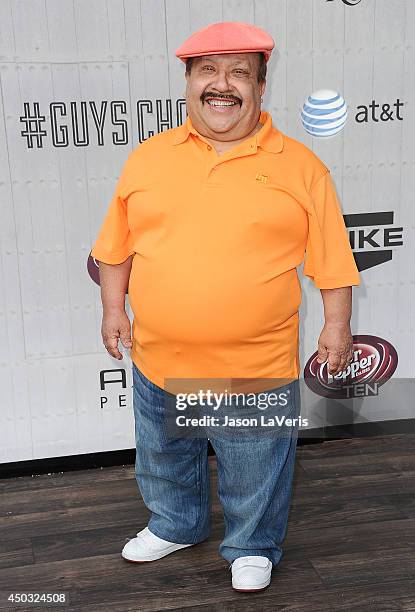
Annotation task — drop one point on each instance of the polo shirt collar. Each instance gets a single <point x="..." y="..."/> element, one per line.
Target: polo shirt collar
<point x="268" y="137"/>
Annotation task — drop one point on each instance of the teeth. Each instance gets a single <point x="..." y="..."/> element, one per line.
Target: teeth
<point x="217" y="103"/>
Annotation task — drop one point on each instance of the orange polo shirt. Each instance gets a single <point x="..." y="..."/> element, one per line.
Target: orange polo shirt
<point x="216" y="241"/>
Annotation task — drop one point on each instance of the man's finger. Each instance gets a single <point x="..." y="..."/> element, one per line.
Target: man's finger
<point x="322" y="354"/>
<point x="334" y="362"/>
<point x="111" y="344"/>
<point x="126" y="339"/>
<point x="342" y="365"/>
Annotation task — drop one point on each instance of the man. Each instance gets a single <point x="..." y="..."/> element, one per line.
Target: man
<point x="206" y="227"/>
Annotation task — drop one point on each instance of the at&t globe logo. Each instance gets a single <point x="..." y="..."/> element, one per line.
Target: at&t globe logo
<point x="324" y="113"/>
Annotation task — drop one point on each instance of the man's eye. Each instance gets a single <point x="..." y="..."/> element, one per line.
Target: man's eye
<point x="207" y="67"/>
<point x="239" y="71"/>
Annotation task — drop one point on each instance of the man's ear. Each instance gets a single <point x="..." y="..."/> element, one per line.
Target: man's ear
<point x="187" y="80"/>
<point x="262" y="87"/>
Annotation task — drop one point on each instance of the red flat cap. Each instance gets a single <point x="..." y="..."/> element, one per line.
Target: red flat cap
<point x="226" y="37"/>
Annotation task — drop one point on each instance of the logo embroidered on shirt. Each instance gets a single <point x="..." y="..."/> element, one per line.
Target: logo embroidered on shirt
<point x="262" y="178"/>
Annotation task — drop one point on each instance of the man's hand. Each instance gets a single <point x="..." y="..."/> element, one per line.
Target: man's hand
<point x="335" y="344"/>
<point x="116" y="325"/>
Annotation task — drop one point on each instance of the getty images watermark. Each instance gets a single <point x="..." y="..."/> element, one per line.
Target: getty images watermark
<point x="209" y="408"/>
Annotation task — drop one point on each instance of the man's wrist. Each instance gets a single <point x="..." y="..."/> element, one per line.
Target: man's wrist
<point x="337" y="322"/>
<point x="109" y="309"/>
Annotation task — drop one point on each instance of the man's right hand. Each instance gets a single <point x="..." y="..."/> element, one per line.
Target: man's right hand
<point x="116" y="326"/>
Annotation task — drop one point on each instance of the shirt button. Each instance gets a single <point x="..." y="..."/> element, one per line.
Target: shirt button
<point x="209" y="148"/>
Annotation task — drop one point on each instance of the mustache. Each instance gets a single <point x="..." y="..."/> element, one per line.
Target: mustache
<point x="209" y="94"/>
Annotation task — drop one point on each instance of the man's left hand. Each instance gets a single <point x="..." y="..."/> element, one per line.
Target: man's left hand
<point x="335" y="344"/>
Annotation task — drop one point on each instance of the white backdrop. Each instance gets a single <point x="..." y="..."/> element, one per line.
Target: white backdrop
<point x="111" y="58"/>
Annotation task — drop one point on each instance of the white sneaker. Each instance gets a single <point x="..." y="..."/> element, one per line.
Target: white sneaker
<point x="148" y="547"/>
<point x="251" y="573"/>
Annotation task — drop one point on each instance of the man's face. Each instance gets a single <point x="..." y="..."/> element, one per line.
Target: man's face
<point x="223" y="96"/>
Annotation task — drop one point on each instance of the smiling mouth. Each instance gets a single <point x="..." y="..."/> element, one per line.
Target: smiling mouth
<point x="221" y="103"/>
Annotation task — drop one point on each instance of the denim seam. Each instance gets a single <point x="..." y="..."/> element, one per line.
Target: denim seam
<point x="199" y="485"/>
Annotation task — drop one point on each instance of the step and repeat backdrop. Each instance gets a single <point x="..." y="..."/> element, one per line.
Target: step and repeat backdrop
<point x="82" y="84"/>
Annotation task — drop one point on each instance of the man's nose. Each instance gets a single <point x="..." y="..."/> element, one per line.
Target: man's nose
<point x="221" y="81"/>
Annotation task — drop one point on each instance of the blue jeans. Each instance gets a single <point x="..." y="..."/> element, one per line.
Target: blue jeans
<point x="254" y="479"/>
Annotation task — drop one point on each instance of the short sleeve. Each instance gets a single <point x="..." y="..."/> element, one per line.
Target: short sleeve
<point x="113" y="244"/>
<point x="329" y="259"/>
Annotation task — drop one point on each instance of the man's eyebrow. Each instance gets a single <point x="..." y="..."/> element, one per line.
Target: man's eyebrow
<point x="235" y="63"/>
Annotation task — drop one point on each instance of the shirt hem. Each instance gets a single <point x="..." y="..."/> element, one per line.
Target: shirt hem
<point x="334" y="282"/>
<point x="110" y="259"/>
<point x="156" y="380"/>
<point x="159" y="381"/>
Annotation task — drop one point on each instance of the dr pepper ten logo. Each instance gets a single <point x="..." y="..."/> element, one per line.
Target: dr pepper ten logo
<point x="374" y="362"/>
